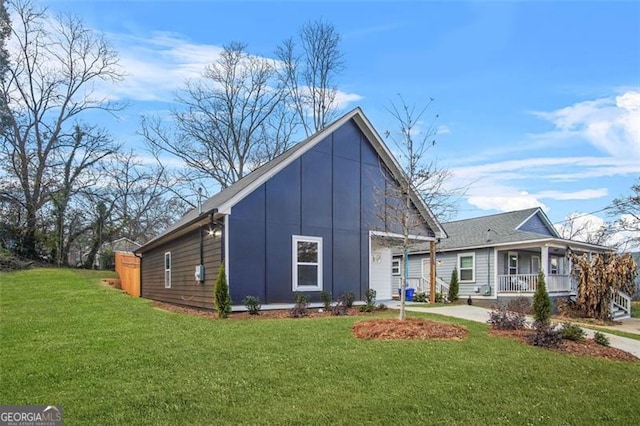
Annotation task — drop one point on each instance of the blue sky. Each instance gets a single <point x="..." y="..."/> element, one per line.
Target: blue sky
<point x="538" y="103"/>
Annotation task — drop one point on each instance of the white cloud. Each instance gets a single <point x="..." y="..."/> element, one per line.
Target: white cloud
<point x="498" y="180"/>
<point x="505" y="202"/>
<point x="443" y="130"/>
<point x="610" y="124"/>
<point x="159" y="65"/>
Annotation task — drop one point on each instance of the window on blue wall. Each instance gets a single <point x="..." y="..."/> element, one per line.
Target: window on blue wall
<point x="467" y="266"/>
<point x="167" y="270"/>
<point x="307" y="263"/>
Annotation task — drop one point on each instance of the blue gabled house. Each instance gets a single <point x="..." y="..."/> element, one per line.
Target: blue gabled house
<point x="307" y="221"/>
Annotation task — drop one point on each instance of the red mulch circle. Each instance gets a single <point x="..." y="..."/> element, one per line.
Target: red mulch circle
<point x="587" y="347"/>
<point x="410" y="328"/>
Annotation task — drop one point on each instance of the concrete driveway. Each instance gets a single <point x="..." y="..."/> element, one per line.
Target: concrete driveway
<point x="477" y="314"/>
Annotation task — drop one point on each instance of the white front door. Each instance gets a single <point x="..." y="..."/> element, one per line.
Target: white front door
<point x="380" y="271"/>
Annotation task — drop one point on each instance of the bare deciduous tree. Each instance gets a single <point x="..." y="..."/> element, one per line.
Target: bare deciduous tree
<point x="626" y="210"/>
<point x="78" y="156"/>
<point x="309" y="73"/>
<point x="585" y="228"/>
<point x="230" y="122"/>
<point x="52" y="80"/>
<point x="398" y="207"/>
<point x="5" y="32"/>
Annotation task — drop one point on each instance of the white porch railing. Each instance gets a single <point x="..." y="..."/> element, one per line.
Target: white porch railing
<point x="528" y="283"/>
<point x="422" y="285"/>
<point x="621" y="302"/>
<point x="559" y="283"/>
<point x="519" y="283"/>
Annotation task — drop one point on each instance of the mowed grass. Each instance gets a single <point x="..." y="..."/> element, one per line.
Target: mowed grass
<point x="111" y="359"/>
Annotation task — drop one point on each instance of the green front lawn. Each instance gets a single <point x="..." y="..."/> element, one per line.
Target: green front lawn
<point x="108" y="358"/>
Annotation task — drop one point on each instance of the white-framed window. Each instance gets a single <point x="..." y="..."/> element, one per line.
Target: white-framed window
<point x="513" y="263"/>
<point x="307" y="263"/>
<point x="553" y="267"/>
<point x="467" y="267"/>
<point x="395" y="267"/>
<point x="167" y="270"/>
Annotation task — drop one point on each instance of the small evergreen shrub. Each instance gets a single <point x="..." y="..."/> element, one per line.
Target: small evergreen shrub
<point x="546" y="336"/>
<point x="381" y="307"/>
<point x="601" y="339"/>
<point x="370" y="301"/>
<point x="440" y="298"/>
<point x="301" y="308"/>
<point x="501" y="318"/>
<point x="221" y="294"/>
<point x="347" y="298"/>
<point x="252" y="303"/>
<point x="421" y="297"/>
<point x="572" y="332"/>
<point x="541" y="302"/>
<point x="325" y="296"/>
<point x="454" y="286"/>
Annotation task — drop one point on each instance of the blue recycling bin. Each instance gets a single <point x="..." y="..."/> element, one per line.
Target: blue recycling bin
<point x="408" y="293"/>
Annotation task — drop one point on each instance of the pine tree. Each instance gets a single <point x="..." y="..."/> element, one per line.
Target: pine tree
<point x="454" y="286"/>
<point x="541" y="302"/>
<point x="221" y="294"/>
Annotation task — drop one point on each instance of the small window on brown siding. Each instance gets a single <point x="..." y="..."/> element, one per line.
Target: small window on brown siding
<point x="167" y="270"/>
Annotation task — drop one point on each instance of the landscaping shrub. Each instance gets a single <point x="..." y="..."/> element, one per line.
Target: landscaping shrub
<point x="347" y="298"/>
<point x="421" y="297"/>
<point x="301" y="309"/>
<point x="541" y="302"/>
<point x="545" y="336"/>
<point x="601" y="339"/>
<point x="568" y="308"/>
<point x="339" y="309"/>
<point x="519" y="304"/>
<point x="9" y="262"/>
<point x="325" y="296"/>
<point x="252" y="303"/>
<point x="221" y="294"/>
<point x="381" y="307"/>
<point x="370" y="303"/>
<point x="440" y="298"/>
<point x="454" y="286"/>
<point x="501" y="318"/>
<point x="572" y="332"/>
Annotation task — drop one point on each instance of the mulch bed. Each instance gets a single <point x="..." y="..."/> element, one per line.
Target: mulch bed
<point x="410" y="328"/>
<point x="586" y="347"/>
<point x="266" y="314"/>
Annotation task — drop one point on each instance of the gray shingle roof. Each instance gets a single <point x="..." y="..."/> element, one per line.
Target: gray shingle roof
<point x="475" y="232"/>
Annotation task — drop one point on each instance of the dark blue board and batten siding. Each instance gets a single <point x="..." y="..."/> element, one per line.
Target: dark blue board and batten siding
<point x="331" y="191"/>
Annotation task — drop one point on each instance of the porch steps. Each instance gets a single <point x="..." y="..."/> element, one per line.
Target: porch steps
<point x="619" y="314"/>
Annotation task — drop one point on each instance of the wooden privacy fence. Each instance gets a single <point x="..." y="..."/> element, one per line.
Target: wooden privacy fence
<point x="128" y="269"/>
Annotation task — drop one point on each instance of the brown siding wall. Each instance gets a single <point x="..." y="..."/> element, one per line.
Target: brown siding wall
<point x="185" y="255"/>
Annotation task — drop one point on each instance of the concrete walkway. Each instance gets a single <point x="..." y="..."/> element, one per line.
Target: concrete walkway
<point x="477" y="314"/>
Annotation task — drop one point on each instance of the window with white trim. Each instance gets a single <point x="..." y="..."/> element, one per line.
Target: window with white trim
<point x="467" y="267"/>
<point x="554" y="269"/>
<point x="395" y="267"/>
<point x="513" y="263"/>
<point x="167" y="270"/>
<point x="307" y="263"/>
